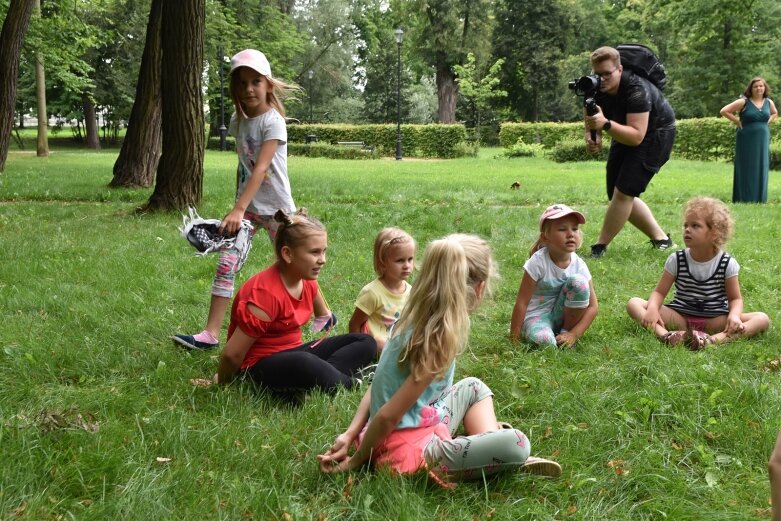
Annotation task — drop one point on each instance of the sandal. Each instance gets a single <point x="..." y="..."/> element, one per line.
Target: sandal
<point x="541" y="467"/>
<point x="698" y="340"/>
<point x="673" y="338"/>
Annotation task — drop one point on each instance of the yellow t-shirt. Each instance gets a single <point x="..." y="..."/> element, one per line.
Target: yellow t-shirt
<point x="381" y="306"/>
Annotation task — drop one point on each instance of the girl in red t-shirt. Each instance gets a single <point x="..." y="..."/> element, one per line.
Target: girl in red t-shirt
<point x="264" y="336"/>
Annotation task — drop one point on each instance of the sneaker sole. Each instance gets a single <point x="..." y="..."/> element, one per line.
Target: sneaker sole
<point x="188" y="345"/>
<point x="542" y="467"/>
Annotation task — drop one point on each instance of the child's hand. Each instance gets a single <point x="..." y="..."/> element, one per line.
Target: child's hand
<point x="566" y="339"/>
<point x="324" y="323"/>
<point x="651" y="318"/>
<point x="734" y="326"/>
<point x="335" y="459"/>
<point x="232" y="222"/>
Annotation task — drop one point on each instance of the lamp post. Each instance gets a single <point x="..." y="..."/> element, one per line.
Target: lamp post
<point x="399" y="37"/>
<point x="223" y="129"/>
<point x="310" y="74"/>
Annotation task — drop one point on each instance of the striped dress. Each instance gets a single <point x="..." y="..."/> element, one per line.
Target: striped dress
<point x="700" y="298"/>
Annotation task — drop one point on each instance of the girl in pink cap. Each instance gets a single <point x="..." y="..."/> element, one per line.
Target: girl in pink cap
<point x="556" y="302"/>
<point x="262" y="184"/>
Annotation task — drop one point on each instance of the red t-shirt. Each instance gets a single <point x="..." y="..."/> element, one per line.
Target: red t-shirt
<point x="266" y="291"/>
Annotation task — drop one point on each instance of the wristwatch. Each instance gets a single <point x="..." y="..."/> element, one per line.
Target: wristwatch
<point x="607" y="125"/>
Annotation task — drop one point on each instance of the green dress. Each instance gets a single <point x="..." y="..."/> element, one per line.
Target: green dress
<point x="752" y="155"/>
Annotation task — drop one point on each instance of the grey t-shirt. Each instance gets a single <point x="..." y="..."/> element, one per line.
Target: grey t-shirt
<point x="274" y="193"/>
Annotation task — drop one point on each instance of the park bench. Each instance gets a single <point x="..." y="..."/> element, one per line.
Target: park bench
<point x="358" y="145"/>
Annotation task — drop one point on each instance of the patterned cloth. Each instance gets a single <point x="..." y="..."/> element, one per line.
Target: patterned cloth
<point x="204" y="235"/>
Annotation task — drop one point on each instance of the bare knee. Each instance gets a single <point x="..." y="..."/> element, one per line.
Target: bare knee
<point x="635" y="306"/>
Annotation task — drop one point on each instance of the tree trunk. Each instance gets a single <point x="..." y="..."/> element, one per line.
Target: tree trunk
<point x="17" y="20"/>
<point x="140" y="152"/>
<point x="447" y="91"/>
<point x="43" y="116"/>
<point x="90" y="123"/>
<point x="180" y="172"/>
<point x="40" y="96"/>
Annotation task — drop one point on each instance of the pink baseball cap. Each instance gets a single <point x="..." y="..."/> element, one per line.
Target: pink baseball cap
<point x="557" y="211"/>
<point x="253" y="59"/>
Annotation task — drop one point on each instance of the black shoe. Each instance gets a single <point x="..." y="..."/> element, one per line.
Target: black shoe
<point x="662" y="244"/>
<point x="598" y="250"/>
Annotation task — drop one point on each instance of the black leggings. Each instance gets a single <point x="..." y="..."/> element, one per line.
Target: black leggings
<point x="332" y="362"/>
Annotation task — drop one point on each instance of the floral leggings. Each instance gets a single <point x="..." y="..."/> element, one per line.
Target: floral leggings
<point x="471" y="457"/>
<point x="542" y="330"/>
<point x="227" y="265"/>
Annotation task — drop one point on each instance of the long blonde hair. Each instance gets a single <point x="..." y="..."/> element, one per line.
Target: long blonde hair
<point x="444" y="294"/>
<point x="278" y="91"/>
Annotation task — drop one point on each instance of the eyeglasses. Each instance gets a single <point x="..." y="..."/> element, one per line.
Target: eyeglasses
<point x="606" y="75"/>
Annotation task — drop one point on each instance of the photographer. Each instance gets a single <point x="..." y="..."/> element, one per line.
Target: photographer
<point x="635" y="114"/>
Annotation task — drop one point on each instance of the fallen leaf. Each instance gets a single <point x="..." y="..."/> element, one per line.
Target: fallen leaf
<point x="162" y="460"/>
<point x="571" y="510"/>
<point x="201" y="382"/>
<point x="348" y="488"/>
<point x="490" y="513"/>
<point x="286" y="516"/>
<point x="548" y="432"/>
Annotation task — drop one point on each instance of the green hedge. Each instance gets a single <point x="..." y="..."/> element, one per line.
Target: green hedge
<point x="329" y="151"/>
<point x="775" y="155"/>
<point x="705" y="139"/>
<point x="547" y="134"/>
<point x="442" y="141"/>
<point x="568" y="150"/>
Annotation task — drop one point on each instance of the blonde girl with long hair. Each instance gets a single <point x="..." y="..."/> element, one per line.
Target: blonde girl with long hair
<point x="262" y="184"/>
<point x="409" y="417"/>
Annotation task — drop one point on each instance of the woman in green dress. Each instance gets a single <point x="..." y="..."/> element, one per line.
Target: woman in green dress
<point x="752" y="142"/>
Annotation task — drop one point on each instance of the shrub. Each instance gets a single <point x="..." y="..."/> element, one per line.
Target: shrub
<point x="521" y="149"/>
<point x="575" y="150"/>
<point x="417" y="140"/>
<point x="775" y="155"/>
<point x="329" y="151"/>
<point x="547" y="134"/>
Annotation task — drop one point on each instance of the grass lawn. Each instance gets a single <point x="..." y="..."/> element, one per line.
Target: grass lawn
<point x="99" y="420"/>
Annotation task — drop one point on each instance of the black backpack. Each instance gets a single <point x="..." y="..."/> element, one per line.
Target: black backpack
<point x="642" y="61"/>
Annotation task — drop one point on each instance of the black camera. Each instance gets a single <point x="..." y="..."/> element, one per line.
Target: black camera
<point x="587" y="87"/>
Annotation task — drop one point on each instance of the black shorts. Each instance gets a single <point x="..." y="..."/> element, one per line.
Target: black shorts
<point x="630" y="169"/>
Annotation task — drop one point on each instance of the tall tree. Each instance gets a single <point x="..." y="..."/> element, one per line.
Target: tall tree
<point x="714" y="48"/>
<point x="140" y="152"/>
<point x="17" y="20"/>
<point x="377" y="56"/>
<point x="444" y="31"/>
<point x="479" y="89"/>
<point x="42" y="150"/>
<point x="180" y="170"/>
<point x="531" y="37"/>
